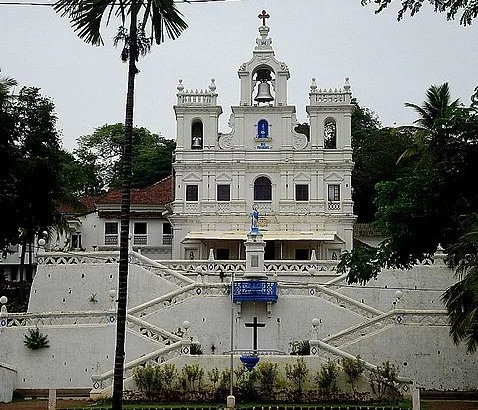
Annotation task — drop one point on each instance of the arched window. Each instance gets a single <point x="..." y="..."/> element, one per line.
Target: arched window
<point x="262" y="189"/>
<point x="262" y="129"/>
<point x="330" y="134"/>
<point x="196" y="135"/>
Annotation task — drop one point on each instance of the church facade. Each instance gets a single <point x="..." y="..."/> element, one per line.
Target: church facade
<point x="300" y="184"/>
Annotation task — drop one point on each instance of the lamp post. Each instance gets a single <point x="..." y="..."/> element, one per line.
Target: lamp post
<point x="231" y="400"/>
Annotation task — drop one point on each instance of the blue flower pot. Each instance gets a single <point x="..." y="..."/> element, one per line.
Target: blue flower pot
<point x="249" y="361"/>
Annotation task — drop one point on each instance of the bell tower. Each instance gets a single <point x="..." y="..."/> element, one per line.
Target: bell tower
<point x="263" y="78"/>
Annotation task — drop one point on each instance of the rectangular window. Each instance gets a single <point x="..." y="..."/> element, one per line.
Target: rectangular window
<point x="140" y="232"/>
<point x="334" y="192"/>
<point x="167" y="234"/>
<point x="111" y="233"/>
<point x="223" y="192"/>
<point x="192" y="193"/>
<point x="140" y="228"/>
<point x="302" y="192"/>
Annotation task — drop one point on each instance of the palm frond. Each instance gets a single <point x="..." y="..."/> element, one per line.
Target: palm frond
<point x="86" y="16"/>
<point x="166" y="17"/>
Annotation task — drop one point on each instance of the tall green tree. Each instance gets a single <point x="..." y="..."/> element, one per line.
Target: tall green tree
<point x="433" y="113"/>
<point x="36" y="172"/>
<point x="151" y="161"/>
<point x="375" y="153"/>
<point x="161" y="18"/>
<point x="468" y="9"/>
<point x="431" y="203"/>
<point x="9" y="154"/>
<point x="32" y="179"/>
<point x="79" y="176"/>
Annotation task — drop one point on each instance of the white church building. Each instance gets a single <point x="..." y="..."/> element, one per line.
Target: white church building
<point x="301" y="185"/>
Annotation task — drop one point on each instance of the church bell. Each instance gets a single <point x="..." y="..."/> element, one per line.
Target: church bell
<point x="264" y="89"/>
<point x="197" y="144"/>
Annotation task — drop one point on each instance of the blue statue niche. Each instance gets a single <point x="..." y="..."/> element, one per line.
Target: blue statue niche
<point x="262" y="129"/>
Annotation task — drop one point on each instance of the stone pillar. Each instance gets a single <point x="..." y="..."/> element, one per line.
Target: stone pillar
<point x="416" y="398"/>
<point x="255" y="246"/>
<point x="51" y="399"/>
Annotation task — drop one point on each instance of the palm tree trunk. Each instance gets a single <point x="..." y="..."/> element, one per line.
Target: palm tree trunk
<point x="125" y="217"/>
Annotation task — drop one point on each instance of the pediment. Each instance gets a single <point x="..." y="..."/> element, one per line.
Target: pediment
<point x="223" y="177"/>
<point x="301" y="177"/>
<point x="192" y="177"/>
<point x="333" y="176"/>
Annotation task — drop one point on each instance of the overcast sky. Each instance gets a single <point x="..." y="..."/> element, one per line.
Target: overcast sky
<point x="388" y="62"/>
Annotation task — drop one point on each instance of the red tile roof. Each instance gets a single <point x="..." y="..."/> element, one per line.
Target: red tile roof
<point x="83" y="205"/>
<point x="160" y="193"/>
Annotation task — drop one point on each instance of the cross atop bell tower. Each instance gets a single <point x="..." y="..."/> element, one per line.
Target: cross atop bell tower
<point x="263" y="16"/>
<point x="263" y="69"/>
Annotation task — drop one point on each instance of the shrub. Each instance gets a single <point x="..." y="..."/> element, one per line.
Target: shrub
<point x="170" y="377"/>
<point x="326" y="379"/>
<point x="191" y="379"/>
<point x="246" y="383"/>
<point x="384" y="382"/>
<point x="36" y="340"/>
<point x="268" y="375"/>
<point x="196" y="349"/>
<point x="299" y="348"/>
<point x="353" y="369"/>
<point x="148" y="379"/>
<point x="297" y="375"/>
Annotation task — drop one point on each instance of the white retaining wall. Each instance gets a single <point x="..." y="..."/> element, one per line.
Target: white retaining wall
<point x="418" y="342"/>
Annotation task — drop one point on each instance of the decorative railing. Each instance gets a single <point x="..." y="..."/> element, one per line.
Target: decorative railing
<point x="263" y="207"/>
<point x="140" y="239"/>
<point x="151" y="332"/>
<point x="56" y="318"/>
<point x="191" y="207"/>
<point x="255" y="291"/>
<point x="197" y="97"/>
<point x="164" y="301"/>
<point x="336" y="298"/>
<point x="167" y="239"/>
<point x="76" y="258"/>
<point x="238" y="267"/>
<point x="173" y="276"/>
<point x="160" y="356"/>
<point x="178" y="296"/>
<point x="344" y="301"/>
<point x="386" y="320"/>
<point x="333" y="206"/>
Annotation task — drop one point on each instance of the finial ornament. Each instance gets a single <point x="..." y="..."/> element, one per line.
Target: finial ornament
<point x="212" y="86"/>
<point x="180" y="85"/>
<point x="347" y="85"/>
<point x="263" y="16"/>
<point x="313" y="85"/>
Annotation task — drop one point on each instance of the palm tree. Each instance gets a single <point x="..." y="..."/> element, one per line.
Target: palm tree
<point x="5" y="84"/>
<point x="162" y="17"/>
<point x="434" y="110"/>
<point x="461" y="299"/>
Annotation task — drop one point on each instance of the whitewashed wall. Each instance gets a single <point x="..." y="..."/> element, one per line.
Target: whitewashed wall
<point x="352" y="319"/>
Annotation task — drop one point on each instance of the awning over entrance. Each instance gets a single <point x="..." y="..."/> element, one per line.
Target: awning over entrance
<point x="267" y="235"/>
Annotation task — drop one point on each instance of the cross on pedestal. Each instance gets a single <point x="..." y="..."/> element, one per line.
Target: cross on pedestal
<point x="263" y="16"/>
<point x="254" y="325"/>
